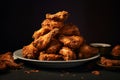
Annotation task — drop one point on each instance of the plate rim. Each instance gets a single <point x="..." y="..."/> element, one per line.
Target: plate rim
<point x="34" y="60"/>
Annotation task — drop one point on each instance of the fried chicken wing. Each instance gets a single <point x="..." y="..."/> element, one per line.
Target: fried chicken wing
<point x="7" y="60"/>
<point x="30" y="51"/>
<point x="51" y="24"/>
<point x="59" y="16"/>
<point x="54" y="46"/>
<point x="67" y="53"/>
<point x="72" y="41"/>
<point x="87" y="51"/>
<point x="40" y="32"/>
<point x="70" y="30"/>
<point x="44" y="40"/>
<point x="49" y="57"/>
<point x="3" y="65"/>
<point x="116" y="51"/>
<point x="109" y="62"/>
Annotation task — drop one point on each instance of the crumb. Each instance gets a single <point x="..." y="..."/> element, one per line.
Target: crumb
<point x="61" y="75"/>
<point x="82" y="77"/>
<point x="96" y="72"/>
<point x="30" y="71"/>
<point x="67" y="73"/>
<point x="73" y="75"/>
<point x="34" y="70"/>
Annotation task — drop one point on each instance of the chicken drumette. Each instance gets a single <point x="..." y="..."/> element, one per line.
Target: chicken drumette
<point x="109" y="62"/>
<point x="44" y="40"/>
<point x="73" y="42"/>
<point x="87" y="51"/>
<point x="70" y="30"/>
<point x="59" y="16"/>
<point x="49" y="57"/>
<point x="53" y="46"/>
<point x="30" y="51"/>
<point x="47" y="25"/>
<point x="67" y="53"/>
<point x="116" y="51"/>
<point x="40" y="32"/>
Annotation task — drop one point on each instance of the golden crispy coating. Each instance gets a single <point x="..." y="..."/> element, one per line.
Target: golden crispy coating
<point x="49" y="57"/>
<point x="67" y="53"/>
<point x="7" y="60"/>
<point x="87" y="51"/>
<point x="51" y="24"/>
<point x="116" y="51"/>
<point x="3" y="65"/>
<point x="44" y="40"/>
<point x="59" y="16"/>
<point x="109" y="62"/>
<point x="30" y="51"/>
<point x="57" y="39"/>
<point x="40" y="32"/>
<point x="7" y="56"/>
<point x="72" y="41"/>
<point x="70" y="30"/>
<point x="54" y="46"/>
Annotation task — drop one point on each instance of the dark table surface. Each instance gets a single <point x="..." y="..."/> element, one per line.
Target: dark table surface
<point x="82" y="72"/>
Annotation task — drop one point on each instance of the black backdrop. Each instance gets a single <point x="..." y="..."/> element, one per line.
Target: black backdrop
<point x="98" y="20"/>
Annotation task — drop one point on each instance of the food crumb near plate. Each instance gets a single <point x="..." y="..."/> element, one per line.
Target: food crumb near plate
<point x="73" y="75"/>
<point x="31" y="71"/>
<point x="66" y="73"/>
<point x="82" y="77"/>
<point x="96" y="72"/>
<point x="61" y="75"/>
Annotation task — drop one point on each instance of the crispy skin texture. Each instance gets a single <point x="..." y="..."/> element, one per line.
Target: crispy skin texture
<point x="56" y="37"/>
<point x="51" y="24"/>
<point x="87" y="51"/>
<point x="67" y="53"/>
<point x="40" y="32"/>
<point x="53" y="46"/>
<point x="52" y="21"/>
<point x="109" y="62"/>
<point x="59" y="16"/>
<point x="7" y="61"/>
<point x="49" y="57"/>
<point x="73" y="42"/>
<point x="116" y="51"/>
<point x="70" y="30"/>
<point x="44" y="40"/>
<point x="30" y="51"/>
<point x="3" y="65"/>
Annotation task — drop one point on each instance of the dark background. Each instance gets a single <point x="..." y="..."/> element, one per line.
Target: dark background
<point x="98" y="20"/>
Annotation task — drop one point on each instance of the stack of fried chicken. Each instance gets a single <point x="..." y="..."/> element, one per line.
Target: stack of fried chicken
<point x="57" y="40"/>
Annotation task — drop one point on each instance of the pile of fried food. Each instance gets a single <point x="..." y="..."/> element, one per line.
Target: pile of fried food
<point x="7" y="61"/>
<point x="58" y="40"/>
<point x="115" y="61"/>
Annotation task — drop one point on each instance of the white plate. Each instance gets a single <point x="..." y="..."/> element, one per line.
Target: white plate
<point x="53" y="64"/>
